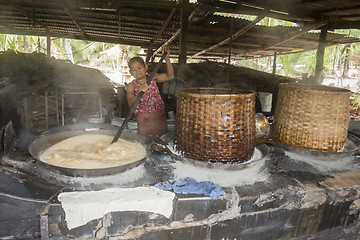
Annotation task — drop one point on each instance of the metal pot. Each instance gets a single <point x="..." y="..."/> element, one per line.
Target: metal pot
<point x="56" y="135"/>
<point x="262" y="125"/>
<point x="352" y="146"/>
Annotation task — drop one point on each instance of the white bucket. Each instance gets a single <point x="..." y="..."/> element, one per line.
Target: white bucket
<point x="266" y="101"/>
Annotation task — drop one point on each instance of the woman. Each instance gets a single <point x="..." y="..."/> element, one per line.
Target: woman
<point x="150" y="112"/>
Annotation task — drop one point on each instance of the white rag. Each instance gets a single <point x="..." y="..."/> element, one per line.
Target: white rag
<point x="82" y="207"/>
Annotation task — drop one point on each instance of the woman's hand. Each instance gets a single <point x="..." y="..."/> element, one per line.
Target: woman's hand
<point x="165" y="49"/>
<point x="163" y="77"/>
<point x="144" y="87"/>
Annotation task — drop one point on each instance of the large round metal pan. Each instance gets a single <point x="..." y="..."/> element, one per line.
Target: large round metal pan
<point x="260" y="152"/>
<point x="352" y="146"/>
<point x="56" y="135"/>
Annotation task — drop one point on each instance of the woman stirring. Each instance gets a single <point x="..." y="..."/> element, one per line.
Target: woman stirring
<point x="150" y="112"/>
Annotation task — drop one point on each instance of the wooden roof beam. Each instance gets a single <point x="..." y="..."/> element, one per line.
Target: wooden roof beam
<point x="234" y="44"/>
<point x="344" y="25"/>
<point x="350" y="18"/>
<point x="114" y="40"/>
<point x="249" y="33"/>
<point x="295" y="34"/>
<point x="248" y="44"/>
<point x="342" y="12"/>
<point x="289" y="37"/>
<point x="174" y="36"/>
<point x="256" y="11"/>
<point x="157" y="35"/>
<point x="73" y="18"/>
<point x="33" y="18"/>
<point x="163" y="27"/>
<point x="7" y="26"/>
<point x="233" y="36"/>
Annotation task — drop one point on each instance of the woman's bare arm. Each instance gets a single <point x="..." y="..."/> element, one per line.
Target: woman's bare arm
<point x="130" y="94"/>
<point x="163" y="77"/>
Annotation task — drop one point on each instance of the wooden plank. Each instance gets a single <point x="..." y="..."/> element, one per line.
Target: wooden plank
<point x="46" y="110"/>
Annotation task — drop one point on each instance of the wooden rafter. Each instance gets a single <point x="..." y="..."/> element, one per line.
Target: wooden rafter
<point x="140" y="22"/>
<point x="286" y="38"/>
<point x="350" y="18"/>
<point x="295" y="34"/>
<point x="31" y="17"/>
<point x="174" y="36"/>
<point x="245" y="8"/>
<point x="344" y="25"/>
<point x="163" y="27"/>
<point x="250" y="34"/>
<point x="73" y="18"/>
<point x="119" y="20"/>
<point x="233" y="36"/>
<point x="343" y="12"/>
<point x="7" y="26"/>
<point x="237" y="46"/>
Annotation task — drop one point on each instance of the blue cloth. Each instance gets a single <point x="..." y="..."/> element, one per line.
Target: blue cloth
<point x="166" y="185"/>
<point x="190" y="185"/>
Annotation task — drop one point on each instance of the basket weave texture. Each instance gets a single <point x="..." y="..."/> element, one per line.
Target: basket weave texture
<point x="312" y="116"/>
<point x="215" y="125"/>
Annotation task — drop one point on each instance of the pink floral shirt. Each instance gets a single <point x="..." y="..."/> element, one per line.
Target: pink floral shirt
<point x="151" y="101"/>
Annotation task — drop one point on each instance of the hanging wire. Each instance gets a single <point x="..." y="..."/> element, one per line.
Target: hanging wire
<point x="52" y="53"/>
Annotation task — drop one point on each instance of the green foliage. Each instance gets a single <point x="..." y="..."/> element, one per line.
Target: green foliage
<point x="84" y="52"/>
<point x="80" y="51"/>
<point x="133" y="51"/>
<point x="267" y="21"/>
<point x="248" y="64"/>
<point x="289" y="64"/>
<point x="356" y="99"/>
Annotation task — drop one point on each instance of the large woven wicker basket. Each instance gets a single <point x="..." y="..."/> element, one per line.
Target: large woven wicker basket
<point x="215" y="125"/>
<point x="312" y="116"/>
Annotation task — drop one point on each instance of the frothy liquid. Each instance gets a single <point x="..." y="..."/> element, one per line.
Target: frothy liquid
<point x="91" y="151"/>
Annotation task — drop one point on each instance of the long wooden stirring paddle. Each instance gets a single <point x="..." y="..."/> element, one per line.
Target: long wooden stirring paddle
<point x="133" y="107"/>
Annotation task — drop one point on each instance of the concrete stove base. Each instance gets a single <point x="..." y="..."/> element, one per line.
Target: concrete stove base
<point x="296" y="201"/>
<point x="282" y="208"/>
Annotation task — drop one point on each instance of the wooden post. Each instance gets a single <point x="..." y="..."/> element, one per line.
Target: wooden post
<point x="274" y="64"/>
<point x="320" y="55"/>
<point x="149" y="54"/>
<point x="184" y="15"/>
<point x="57" y="109"/>
<point x="26" y="113"/>
<point x="230" y="43"/>
<point x="46" y="110"/>
<point x="48" y="46"/>
<point x="345" y="73"/>
<point x="22" y="119"/>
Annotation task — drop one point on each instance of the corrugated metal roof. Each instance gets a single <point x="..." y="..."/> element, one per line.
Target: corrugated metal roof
<point x="151" y="23"/>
